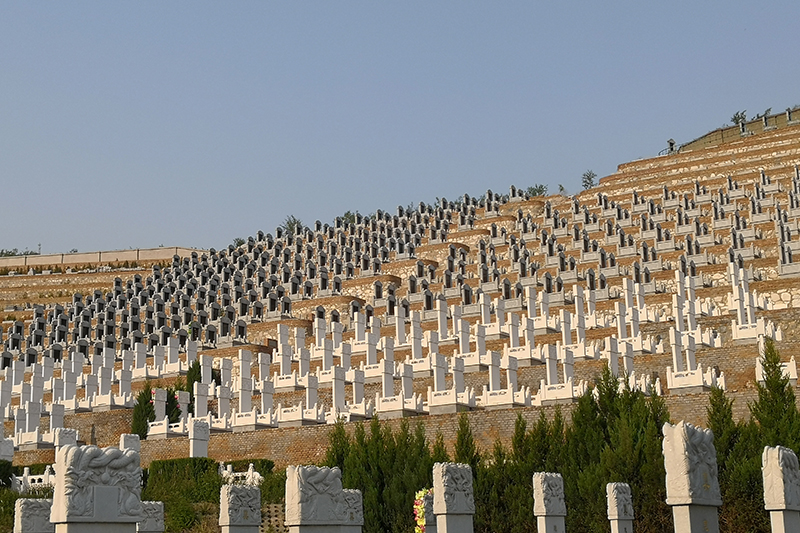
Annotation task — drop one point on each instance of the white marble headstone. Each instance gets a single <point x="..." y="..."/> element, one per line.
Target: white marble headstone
<point x="690" y="460"/>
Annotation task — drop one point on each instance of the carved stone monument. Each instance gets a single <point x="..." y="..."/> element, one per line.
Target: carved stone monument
<point x="317" y="503"/>
<point x="453" y="502"/>
<point x="781" y="473"/>
<point x="96" y="489"/>
<point x="239" y="508"/>
<point x="548" y="502"/>
<point x="32" y="515"/>
<point x="692" y="485"/>
<point x="620" y="507"/>
<point x="153" y="521"/>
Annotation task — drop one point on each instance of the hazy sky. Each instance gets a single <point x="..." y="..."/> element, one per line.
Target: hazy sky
<point x="191" y="123"/>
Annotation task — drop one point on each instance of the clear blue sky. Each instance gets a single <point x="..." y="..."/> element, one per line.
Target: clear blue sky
<point x="191" y="123"/>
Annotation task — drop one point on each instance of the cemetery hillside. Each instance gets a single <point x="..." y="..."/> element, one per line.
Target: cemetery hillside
<point x="621" y="359"/>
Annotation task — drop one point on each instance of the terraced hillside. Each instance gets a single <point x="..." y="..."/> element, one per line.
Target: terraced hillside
<point x="670" y="271"/>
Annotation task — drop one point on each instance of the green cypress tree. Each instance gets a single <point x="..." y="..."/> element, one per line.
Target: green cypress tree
<point x="439" y="453"/>
<point x="356" y="475"/>
<point x="420" y="459"/>
<point x="650" y="492"/>
<point x="726" y="431"/>
<point x="173" y="409"/>
<point x="338" y="446"/>
<point x="466" y="451"/>
<point x="143" y="411"/>
<point x="524" y="458"/>
<point x="492" y="492"/>
<point x="585" y="439"/>
<point x="775" y="409"/>
<point x="399" y="478"/>
<point x="541" y="445"/>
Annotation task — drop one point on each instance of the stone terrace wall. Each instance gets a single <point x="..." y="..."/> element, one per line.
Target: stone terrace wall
<point x="92" y="258"/>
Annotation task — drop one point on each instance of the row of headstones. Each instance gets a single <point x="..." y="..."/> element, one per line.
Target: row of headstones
<point x="482" y="313"/>
<point x="740" y="232"/>
<point x="98" y="384"/>
<point x="512" y="196"/>
<point x="692" y="486"/>
<point x="685" y="372"/>
<point x="99" y="489"/>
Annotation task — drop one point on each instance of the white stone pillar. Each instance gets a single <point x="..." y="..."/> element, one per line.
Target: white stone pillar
<point x="160" y="403"/>
<point x="620" y="507"/>
<point x="692" y="485"/>
<point x="267" y="390"/>
<point x="441" y="317"/>
<point x="781" y="473"/>
<point x="201" y="393"/>
<point x="199" y="434"/>
<point x="566" y="327"/>
<point x="453" y="501"/>
<point x="6" y="450"/>
<point x="239" y="509"/>
<point x="400" y="324"/>
<point x="548" y="502"/>
<point x="245" y="386"/>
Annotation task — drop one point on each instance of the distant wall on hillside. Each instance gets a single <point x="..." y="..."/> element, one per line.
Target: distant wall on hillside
<point x="92" y="258"/>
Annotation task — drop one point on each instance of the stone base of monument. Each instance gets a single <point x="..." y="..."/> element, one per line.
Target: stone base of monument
<point x="35" y="446"/>
<point x="324" y="529"/>
<point x="448" y="409"/>
<point x="397" y="413"/>
<point x="558" y="401"/>
<point x="456" y="523"/>
<point x="239" y="529"/>
<point x="784" y="521"/>
<point x="96" y="527"/>
<point x="621" y="526"/>
<point x="695" y="518"/>
<point x="551" y="524"/>
<point x="697" y="389"/>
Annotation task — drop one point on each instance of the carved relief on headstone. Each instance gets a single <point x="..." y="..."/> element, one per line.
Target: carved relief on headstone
<point x="452" y="489"/>
<point x="153" y="521"/>
<point x="97" y="485"/>
<point x="620" y="501"/>
<point x="32" y="515"/>
<point x="314" y="496"/>
<point x="781" y="472"/>
<point x="690" y="460"/>
<point x="548" y="495"/>
<point x="240" y="505"/>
